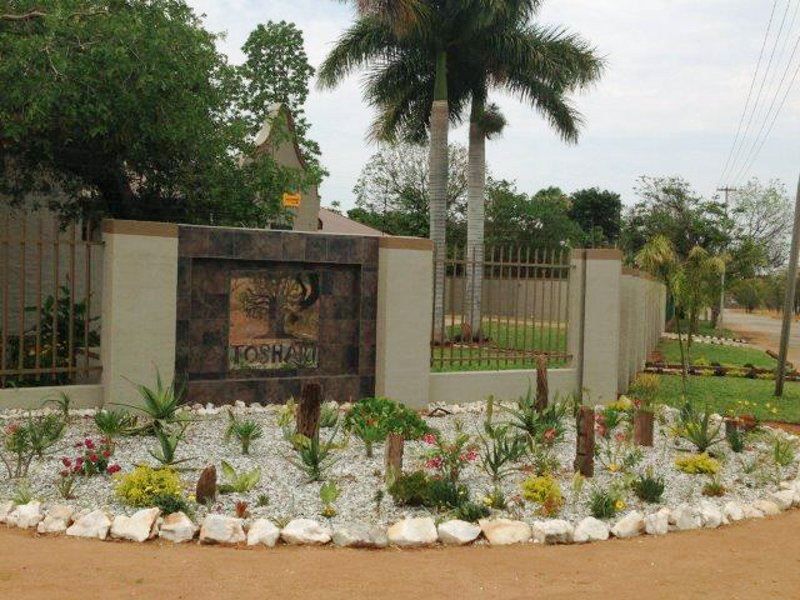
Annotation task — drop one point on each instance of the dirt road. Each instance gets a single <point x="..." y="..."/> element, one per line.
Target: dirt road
<point x="756" y="559"/>
<point x="763" y="331"/>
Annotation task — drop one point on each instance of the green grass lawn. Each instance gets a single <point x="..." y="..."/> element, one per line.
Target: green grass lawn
<point x="704" y="328"/>
<point x="723" y="393"/>
<point x="503" y="335"/>
<point x="724" y="355"/>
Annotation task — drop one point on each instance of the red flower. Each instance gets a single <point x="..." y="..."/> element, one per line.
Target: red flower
<point x="12" y="428"/>
<point x="429" y="439"/>
<point x="93" y="458"/>
<point x="79" y="461"/>
<point x="66" y="461"/>
<point x="89" y="443"/>
<point x="113" y="469"/>
<point x="620" y="437"/>
<point x="469" y="456"/>
<point x="434" y="463"/>
<point x="106" y="453"/>
<point x="550" y="434"/>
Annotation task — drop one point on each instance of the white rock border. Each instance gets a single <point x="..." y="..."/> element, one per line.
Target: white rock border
<point x="406" y="533"/>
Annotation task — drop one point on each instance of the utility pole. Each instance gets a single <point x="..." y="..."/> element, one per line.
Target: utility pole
<point x="788" y="304"/>
<point x="726" y="190"/>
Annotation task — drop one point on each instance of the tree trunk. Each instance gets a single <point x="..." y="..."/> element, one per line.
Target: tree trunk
<point x="309" y="410"/>
<point x="393" y="457"/>
<point x="643" y="427"/>
<point x="476" y="169"/>
<point x="542" y="391"/>
<point x="584" y="451"/>
<point x="440" y="122"/>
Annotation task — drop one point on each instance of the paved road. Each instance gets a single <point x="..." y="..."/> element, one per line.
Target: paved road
<point x="763" y="331"/>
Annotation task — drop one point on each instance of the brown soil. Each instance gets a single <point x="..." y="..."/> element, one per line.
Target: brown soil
<point x="756" y="559"/>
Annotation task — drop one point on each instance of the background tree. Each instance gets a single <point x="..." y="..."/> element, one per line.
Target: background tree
<point x="763" y="217"/>
<point x="599" y="214"/>
<point x="127" y="109"/>
<point x="392" y="191"/>
<point x="276" y="70"/>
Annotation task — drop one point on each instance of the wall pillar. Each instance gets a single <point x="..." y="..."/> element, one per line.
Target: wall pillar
<point x="140" y="275"/>
<point x="595" y="311"/>
<point x="405" y="289"/>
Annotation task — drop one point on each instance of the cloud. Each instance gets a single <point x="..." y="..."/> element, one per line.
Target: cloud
<point x="669" y="103"/>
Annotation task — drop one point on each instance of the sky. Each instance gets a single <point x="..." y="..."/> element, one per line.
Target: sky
<point x="677" y="77"/>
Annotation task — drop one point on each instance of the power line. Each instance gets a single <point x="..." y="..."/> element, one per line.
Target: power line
<point x="750" y="92"/>
<point x="758" y="142"/>
<point x="757" y="101"/>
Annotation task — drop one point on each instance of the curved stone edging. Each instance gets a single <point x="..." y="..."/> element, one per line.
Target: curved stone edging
<point x="148" y="523"/>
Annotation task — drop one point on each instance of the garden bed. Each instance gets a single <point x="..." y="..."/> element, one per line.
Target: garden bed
<point x="284" y="491"/>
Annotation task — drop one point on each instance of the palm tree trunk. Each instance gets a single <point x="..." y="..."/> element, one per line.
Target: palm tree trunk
<point x="476" y="170"/>
<point x="438" y="191"/>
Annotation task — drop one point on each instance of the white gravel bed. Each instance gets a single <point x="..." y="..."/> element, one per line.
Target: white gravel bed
<point x="359" y="478"/>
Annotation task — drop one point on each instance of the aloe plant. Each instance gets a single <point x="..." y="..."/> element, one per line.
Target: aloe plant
<point x="238" y="482"/>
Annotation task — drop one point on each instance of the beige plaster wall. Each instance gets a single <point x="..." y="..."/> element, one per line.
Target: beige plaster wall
<point x="81" y="396"/>
<point x="140" y="276"/>
<point x="475" y="386"/>
<point x="405" y="287"/>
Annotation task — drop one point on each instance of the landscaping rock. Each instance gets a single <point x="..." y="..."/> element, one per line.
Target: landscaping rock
<point x="502" y="532"/>
<point x="139" y="527"/>
<point x="685" y="517"/>
<point x="177" y="527"/>
<point x="6" y="509"/>
<point x="630" y="525"/>
<point x="657" y="523"/>
<point x="553" y="531"/>
<point x="590" y="530"/>
<point x="751" y="512"/>
<point x="458" y="533"/>
<point x="784" y="498"/>
<point x="413" y="532"/>
<point x="768" y="507"/>
<point x="219" y="529"/>
<point x="733" y="511"/>
<point x="263" y="531"/>
<point x="57" y="519"/>
<point x="305" y="531"/>
<point x="26" y="516"/>
<point x="359" y="535"/>
<point x="91" y="525"/>
<point x="710" y="516"/>
<point x="206" y="488"/>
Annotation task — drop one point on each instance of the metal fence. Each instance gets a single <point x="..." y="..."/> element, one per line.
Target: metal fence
<point x="503" y="308"/>
<point x="49" y="300"/>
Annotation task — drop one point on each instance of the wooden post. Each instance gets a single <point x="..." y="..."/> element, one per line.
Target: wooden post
<point x="584" y="451"/>
<point x="206" y="489"/>
<point x="393" y="457"/>
<point x="643" y="427"/>
<point x="542" y="391"/>
<point x="309" y="410"/>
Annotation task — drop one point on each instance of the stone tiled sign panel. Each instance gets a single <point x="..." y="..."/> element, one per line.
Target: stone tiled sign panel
<point x="262" y="312"/>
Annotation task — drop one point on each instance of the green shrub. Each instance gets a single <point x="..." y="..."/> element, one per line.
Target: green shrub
<point x="735" y="439"/>
<point x="246" y="431"/>
<point x="697" y="428"/>
<point x="143" y="486"/>
<point x="544" y="491"/>
<point x="714" y="488"/>
<point x="543" y="427"/>
<point x="697" y="464"/>
<point x="329" y="415"/>
<point x="419" y="489"/>
<point x="160" y="404"/>
<point x="238" y="482"/>
<point x="783" y="451"/>
<point x="372" y="419"/>
<point x="113" y="423"/>
<point x="500" y="450"/>
<point x="471" y="512"/>
<point x="410" y="489"/>
<point x="648" y="487"/>
<point x="605" y="503"/>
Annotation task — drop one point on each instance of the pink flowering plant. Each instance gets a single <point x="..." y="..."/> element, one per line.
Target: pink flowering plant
<point x="93" y="458"/>
<point x="448" y="457"/>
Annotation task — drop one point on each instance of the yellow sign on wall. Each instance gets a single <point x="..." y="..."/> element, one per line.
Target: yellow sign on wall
<point x="291" y="200"/>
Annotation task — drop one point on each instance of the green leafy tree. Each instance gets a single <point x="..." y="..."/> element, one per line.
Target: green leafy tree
<point x="763" y="217"/>
<point x="392" y="191"/>
<point x="127" y="109"/>
<point x="599" y="214"/>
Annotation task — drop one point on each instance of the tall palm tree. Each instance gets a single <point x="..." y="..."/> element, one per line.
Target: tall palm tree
<point x="388" y="29"/>
<point x="540" y="66"/>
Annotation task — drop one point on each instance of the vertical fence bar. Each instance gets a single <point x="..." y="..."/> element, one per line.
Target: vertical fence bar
<point x="453" y="269"/>
<point x="23" y="235"/>
<point x="527" y="311"/>
<point x="568" y="271"/>
<point x="6" y="277"/>
<point x="87" y="315"/>
<point x="516" y="287"/>
<point x="71" y="324"/>
<point x="56" y="260"/>
<point x="551" y="281"/>
<point x="39" y="260"/>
